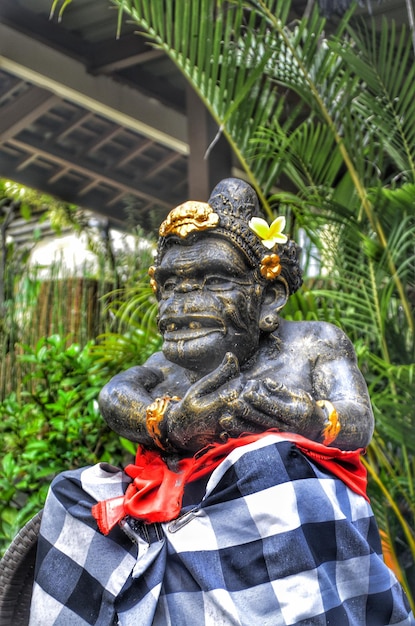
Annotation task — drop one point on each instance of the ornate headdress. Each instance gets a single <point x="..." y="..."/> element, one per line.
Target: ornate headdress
<point x="232" y="212"/>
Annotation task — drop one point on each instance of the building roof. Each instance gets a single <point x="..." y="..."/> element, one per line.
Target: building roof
<point x="105" y="123"/>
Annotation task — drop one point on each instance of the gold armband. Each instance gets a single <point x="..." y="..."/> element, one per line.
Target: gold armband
<point x="154" y="415"/>
<point x="332" y="424"/>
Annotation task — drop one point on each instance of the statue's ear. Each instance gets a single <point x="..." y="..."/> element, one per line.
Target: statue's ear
<point x="276" y="296"/>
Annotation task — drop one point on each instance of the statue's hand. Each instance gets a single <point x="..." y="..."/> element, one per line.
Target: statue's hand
<point x="194" y="421"/>
<point x="273" y="405"/>
<point x="222" y="404"/>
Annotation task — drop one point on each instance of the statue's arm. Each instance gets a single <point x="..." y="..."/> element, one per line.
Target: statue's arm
<point x="326" y="399"/>
<point x="185" y="423"/>
<point x="124" y="400"/>
<point x="223" y="403"/>
<point x="337" y="379"/>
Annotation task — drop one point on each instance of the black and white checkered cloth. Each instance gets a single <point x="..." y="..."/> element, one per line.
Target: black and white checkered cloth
<point x="275" y="541"/>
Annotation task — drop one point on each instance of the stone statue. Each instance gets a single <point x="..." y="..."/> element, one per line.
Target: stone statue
<point x="223" y="518"/>
<point x="230" y="364"/>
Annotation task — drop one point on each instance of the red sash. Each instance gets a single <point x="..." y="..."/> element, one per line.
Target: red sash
<point x="156" y="492"/>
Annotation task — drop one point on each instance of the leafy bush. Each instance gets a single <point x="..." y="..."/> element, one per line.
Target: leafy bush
<point x="53" y="424"/>
<point x="62" y="336"/>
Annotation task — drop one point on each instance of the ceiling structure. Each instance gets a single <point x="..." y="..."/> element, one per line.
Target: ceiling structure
<point x="105" y="123"/>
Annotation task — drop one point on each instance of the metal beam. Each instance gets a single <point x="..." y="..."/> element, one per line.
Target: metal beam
<point x="41" y="65"/>
<point x="111" y="56"/>
<point x="22" y="111"/>
<point x="103" y="139"/>
<point x="168" y="160"/>
<point x="55" y="155"/>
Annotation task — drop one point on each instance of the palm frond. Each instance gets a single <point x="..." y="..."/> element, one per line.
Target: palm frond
<point x="248" y="53"/>
<point x="301" y="154"/>
<point x="384" y="63"/>
<point x="389" y="552"/>
<point x="137" y="337"/>
<point x="391" y="387"/>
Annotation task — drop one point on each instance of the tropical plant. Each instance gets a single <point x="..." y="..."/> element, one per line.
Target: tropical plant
<point x="133" y="335"/>
<point x="52" y="366"/>
<point x="22" y="286"/>
<point x="52" y="425"/>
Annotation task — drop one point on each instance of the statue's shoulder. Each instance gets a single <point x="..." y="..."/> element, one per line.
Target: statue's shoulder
<point x="316" y="335"/>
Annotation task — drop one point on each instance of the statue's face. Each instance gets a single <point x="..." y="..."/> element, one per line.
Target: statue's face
<point x="209" y="304"/>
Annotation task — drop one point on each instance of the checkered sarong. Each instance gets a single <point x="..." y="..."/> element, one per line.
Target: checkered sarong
<point x="275" y="541"/>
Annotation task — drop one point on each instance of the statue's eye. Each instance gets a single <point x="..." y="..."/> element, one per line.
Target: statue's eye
<point x="212" y="281"/>
<point x="169" y="284"/>
<point x="217" y="282"/>
<point x="220" y="282"/>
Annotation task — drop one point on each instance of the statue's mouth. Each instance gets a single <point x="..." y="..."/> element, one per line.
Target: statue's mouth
<point x="189" y="326"/>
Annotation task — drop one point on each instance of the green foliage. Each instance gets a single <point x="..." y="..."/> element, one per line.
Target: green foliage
<point x="138" y="336"/>
<point x="392" y="474"/>
<point x="133" y="335"/>
<point x="62" y="338"/>
<point x="25" y="202"/>
<point x="53" y="425"/>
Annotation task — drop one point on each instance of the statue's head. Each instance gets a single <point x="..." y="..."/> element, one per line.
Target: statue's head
<point x="219" y="284"/>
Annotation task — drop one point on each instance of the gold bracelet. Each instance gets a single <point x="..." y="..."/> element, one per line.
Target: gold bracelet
<point x="332" y="425"/>
<point x="154" y="415"/>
